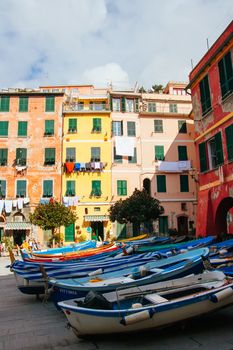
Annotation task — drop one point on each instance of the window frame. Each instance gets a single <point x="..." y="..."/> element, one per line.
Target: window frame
<point x="159" y="127"/>
<point x="72" y="156"/>
<point x="49" y="160"/>
<point x="161" y="183"/>
<point x="50" y="103"/>
<point x="131" y="128"/>
<point x="226" y="76"/>
<point x="19" y="195"/>
<point x="206" y="103"/>
<point x="23" y="103"/>
<point x="3" y="156"/>
<point x="48" y="194"/>
<point x="22" y="128"/>
<point x="122" y="187"/>
<point x="4" y="123"/>
<point x="49" y="127"/>
<point x="95" y="154"/>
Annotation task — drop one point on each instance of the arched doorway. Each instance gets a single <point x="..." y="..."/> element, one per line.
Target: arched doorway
<point x="223" y="211"/>
<point x="147" y="185"/>
<point x="182" y="225"/>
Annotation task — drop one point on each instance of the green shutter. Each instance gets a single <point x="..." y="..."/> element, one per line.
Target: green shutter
<point x="95" y="154"/>
<point x="96" y="125"/>
<point x="117" y="159"/>
<point x="2" y="188"/>
<point x="123" y="104"/>
<point x="219" y="150"/>
<point x="49" y="156"/>
<point x="182" y="126"/>
<point x="229" y="141"/>
<point x="136" y="105"/>
<point x="163" y="224"/>
<point x="50" y="104"/>
<point x="131" y="129"/>
<point x="182" y="153"/>
<point x="22" y="128"/>
<point x="23" y="103"/>
<point x="205" y="95"/>
<point x="49" y="127"/>
<point x="159" y="152"/>
<point x="121" y="187"/>
<point x="161" y="183"/>
<point x="21" y="188"/>
<point x="69" y="233"/>
<point x="96" y="188"/>
<point x="134" y="158"/>
<point x="202" y="156"/>
<point x="47" y="188"/>
<point x="70" y="154"/>
<point x="72" y="125"/>
<point x="3" y="156"/>
<point x="121" y="230"/>
<point x="4" y="103"/>
<point x="184" y="183"/>
<point x="21" y="156"/>
<point x="4" y="128"/>
<point x="70" y="188"/>
<point x="226" y="74"/>
<point x="110" y="99"/>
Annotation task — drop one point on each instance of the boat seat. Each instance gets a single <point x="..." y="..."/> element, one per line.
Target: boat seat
<point x="155" y="298"/>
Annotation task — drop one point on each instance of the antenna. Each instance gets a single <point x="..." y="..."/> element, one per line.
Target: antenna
<point x="191" y="63"/>
<point x="207" y="43"/>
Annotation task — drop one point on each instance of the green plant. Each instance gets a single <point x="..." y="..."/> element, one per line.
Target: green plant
<point x="8" y="242"/>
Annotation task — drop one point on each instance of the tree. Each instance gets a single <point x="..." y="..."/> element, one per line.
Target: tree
<point x="156" y="87"/>
<point x="139" y="208"/>
<point x="142" y="90"/>
<point x="52" y="215"/>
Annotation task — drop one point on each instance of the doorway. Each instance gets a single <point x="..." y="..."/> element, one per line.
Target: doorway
<point x="19" y="236"/>
<point x="147" y="185"/>
<point x="223" y="223"/>
<point x="98" y="229"/>
<point x="182" y="224"/>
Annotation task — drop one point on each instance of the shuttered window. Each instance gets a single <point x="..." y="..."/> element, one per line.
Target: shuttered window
<point x="205" y="95"/>
<point x="158" y="125"/>
<point x="163" y="224"/>
<point x="184" y="183"/>
<point x="182" y="126"/>
<point x="49" y="156"/>
<point x="151" y="107"/>
<point x="203" y="157"/>
<point x="49" y="128"/>
<point x="123" y="104"/>
<point x="173" y="108"/>
<point x="121" y="187"/>
<point x="49" y="103"/>
<point x="96" y="125"/>
<point x="229" y="141"/>
<point x="23" y="103"/>
<point x="3" y="156"/>
<point x="219" y="150"/>
<point x="69" y="233"/>
<point x="226" y="74"/>
<point x="70" y="154"/>
<point x="21" y="188"/>
<point x="48" y="188"/>
<point x="117" y="128"/>
<point x="4" y="103"/>
<point x="70" y="188"/>
<point x="161" y="183"/>
<point x="159" y="152"/>
<point x="4" y="128"/>
<point x="22" y="128"/>
<point x="2" y="188"/>
<point x="117" y="159"/>
<point x="182" y="153"/>
<point x="134" y="158"/>
<point x="131" y="131"/>
<point x="95" y="154"/>
<point x="72" y="125"/>
<point x="96" y="188"/>
<point x="21" y="156"/>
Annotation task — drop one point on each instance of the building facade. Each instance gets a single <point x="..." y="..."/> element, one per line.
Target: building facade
<point x="211" y="84"/>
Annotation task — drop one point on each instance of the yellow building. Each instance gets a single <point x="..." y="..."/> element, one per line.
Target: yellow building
<point x="86" y="179"/>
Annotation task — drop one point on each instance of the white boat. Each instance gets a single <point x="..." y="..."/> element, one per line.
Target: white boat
<point x="148" y="306"/>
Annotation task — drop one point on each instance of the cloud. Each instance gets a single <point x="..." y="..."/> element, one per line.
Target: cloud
<point x="97" y="41"/>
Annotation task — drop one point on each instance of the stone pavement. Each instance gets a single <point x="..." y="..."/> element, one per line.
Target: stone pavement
<point x="29" y="324"/>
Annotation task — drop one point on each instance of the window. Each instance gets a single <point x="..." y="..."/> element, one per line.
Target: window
<point x="159" y="152"/>
<point x="158" y="125"/>
<point x="173" y="108"/>
<point x="96" y="125"/>
<point x="72" y="125"/>
<point x="131" y="129"/>
<point x="123" y="104"/>
<point x="182" y="153"/>
<point x="70" y="154"/>
<point x="97" y="106"/>
<point x="21" y="156"/>
<point x="229" y="141"/>
<point x="21" y="186"/>
<point x="23" y="103"/>
<point x="117" y="159"/>
<point x="161" y="183"/>
<point x="203" y="159"/>
<point x="133" y="159"/>
<point x="4" y="103"/>
<point x="215" y="151"/>
<point x="116" y="104"/>
<point x="205" y="95"/>
<point x="121" y="187"/>
<point x="163" y="224"/>
<point x="22" y="128"/>
<point x="4" y="128"/>
<point x="69" y="233"/>
<point x="3" y="156"/>
<point x="151" y="107"/>
<point x="70" y="188"/>
<point x="49" y="128"/>
<point x="2" y="188"/>
<point x="49" y="156"/>
<point x="95" y="154"/>
<point x="184" y="183"/>
<point x="184" y="207"/>
<point x="48" y="188"/>
<point x="182" y="126"/>
<point x="49" y="103"/>
<point x="129" y="105"/>
<point x="96" y="188"/>
<point x="226" y="74"/>
<point x="117" y="128"/>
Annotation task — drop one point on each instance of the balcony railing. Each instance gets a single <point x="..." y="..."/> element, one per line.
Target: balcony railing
<point x="77" y="107"/>
<point x="164" y="109"/>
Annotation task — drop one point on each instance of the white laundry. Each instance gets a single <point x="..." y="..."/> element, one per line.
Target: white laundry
<point x="1" y="205"/>
<point x="66" y="201"/>
<point x="76" y="199"/>
<point x="15" y="203"/>
<point x="20" y="203"/>
<point x="26" y="200"/>
<point x="8" y="206"/>
<point x="168" y="166"/>
<point x="71" y="201"/>
<point x="97" y="165"/>
<point x="125" y="145"/>
<point x="184" y="164"/>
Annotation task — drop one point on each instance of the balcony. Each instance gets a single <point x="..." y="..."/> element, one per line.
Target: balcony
<point x="164" y="109"/>
<point x="173" y="167"/>
<point x="79" y="107"/>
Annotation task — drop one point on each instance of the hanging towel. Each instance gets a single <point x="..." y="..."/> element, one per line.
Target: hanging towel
<point x="83" y="166"/>
<point x="69" y="167"/>
<point x="1" y="205"/>
<point x="26" y="200"/>
<point x="124" y="145"/>
<point x="8" y="206"/>
<point x="97" y="165"/>
<point x="70" y="201"/>
<point x="88" y="166"/>
<point x="76" y="199"/>
<point x="184" y="164"/>
<point x="77" y="167"/>
<point x="20" y="203"/>
<point x="44" y="200"/>
<point x="14" y="203"/>
<point x="66" y="201"/>
<point x="92" y="165"/>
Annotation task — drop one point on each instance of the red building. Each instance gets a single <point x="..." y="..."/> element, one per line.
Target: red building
<point x="211" y="84"/>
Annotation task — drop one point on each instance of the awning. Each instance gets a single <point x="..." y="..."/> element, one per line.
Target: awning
<point x="18" y="226"/>
<point x="96" y="217"/>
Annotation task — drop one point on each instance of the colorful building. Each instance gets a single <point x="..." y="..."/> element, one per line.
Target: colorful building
<point x="211" y="84"/>
<point x="30" y="157"/>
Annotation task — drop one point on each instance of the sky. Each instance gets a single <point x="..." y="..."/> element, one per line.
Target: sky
<point x="122" y="42"/>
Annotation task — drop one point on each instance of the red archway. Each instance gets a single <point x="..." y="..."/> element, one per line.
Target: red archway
<point x="221" y="215"/>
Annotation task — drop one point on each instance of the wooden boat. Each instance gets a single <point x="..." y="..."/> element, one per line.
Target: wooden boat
<point x="136" y="238"/>
<point x="65" y="249"/>
<point x="164" y="269"/>
<point x="150" y="306"/>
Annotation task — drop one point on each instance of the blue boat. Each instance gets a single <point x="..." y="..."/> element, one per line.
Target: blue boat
<point x="66" y="249"/>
